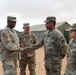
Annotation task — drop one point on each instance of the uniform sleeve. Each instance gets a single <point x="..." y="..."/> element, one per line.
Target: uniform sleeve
<point x="62" y="46"/>
<point x="21" y="41"/>
<point x="38" y="44"/>
<point x="7" y="42"/>
<point x="20" y="37"/>
<point x="35" y="38"/>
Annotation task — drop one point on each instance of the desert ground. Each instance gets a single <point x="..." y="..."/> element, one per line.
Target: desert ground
<point x="40" y="70"/>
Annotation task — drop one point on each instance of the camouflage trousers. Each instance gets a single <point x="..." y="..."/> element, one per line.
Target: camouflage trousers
<point x="31" y="65"/>
<point x="9" y="67"/>
<point x="69" y="72"/>
<point x="53" y="68"/>
<point x="70" y="69"/>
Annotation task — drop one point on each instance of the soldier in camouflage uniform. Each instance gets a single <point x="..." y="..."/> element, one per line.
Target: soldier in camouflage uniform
<point x="55" y="47"/>
<point x="71" y="53"/>
<point x="9" y="47"/>
<point x="27" y="39"/>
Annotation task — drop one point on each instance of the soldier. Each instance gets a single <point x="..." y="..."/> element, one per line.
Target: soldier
<point x="27" y="39"/>
<point x="71" y="53"/>
<point x="55" y="47"/>
<point x="10" y="47"/>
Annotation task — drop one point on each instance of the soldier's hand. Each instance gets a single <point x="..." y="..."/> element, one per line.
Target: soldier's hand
<point x="26" y="50"/>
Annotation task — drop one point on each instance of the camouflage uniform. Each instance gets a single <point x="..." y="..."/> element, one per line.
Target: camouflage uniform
<point x="71" y="59"/>
<point x="27" y="58"/>
<point x="55" y="49"/>
<point x="10" y="46"/>
<point x="71" y="55"/>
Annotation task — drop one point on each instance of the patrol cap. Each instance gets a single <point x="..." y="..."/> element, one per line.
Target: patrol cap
<point x="26" y="25"/>
<point x="50" y="18"/>
<point x="11" y="18"/>
<point x="73" y="27"/>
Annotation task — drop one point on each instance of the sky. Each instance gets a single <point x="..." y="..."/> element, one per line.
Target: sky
<point x="36" y="11"/>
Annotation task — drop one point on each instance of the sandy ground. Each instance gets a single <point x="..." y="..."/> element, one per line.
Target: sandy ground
<point x="40" y="70"/>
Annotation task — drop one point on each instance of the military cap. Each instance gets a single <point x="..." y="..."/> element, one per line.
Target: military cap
<point x="11" y="18"/>
<point x="73" y="27"/>
<point x="50" y="18"/>
<point x="26" y="25"/>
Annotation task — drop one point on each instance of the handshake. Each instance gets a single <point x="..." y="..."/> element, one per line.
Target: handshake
<point x="26" y="50"/>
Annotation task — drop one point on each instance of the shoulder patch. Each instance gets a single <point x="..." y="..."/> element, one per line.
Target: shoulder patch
<point x="5" y="37"/>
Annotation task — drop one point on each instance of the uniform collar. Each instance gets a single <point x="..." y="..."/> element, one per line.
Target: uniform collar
<point x="10" y="28"/>
<point x="27" y="34"/>
<point x="51" y="31"/>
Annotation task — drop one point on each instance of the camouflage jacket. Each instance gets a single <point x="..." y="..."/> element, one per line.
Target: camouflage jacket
<point x="71" y="56"/>
<point x="54" y="43"/>
<point x="27" y="40"/>
<point x="9" y="44"/>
